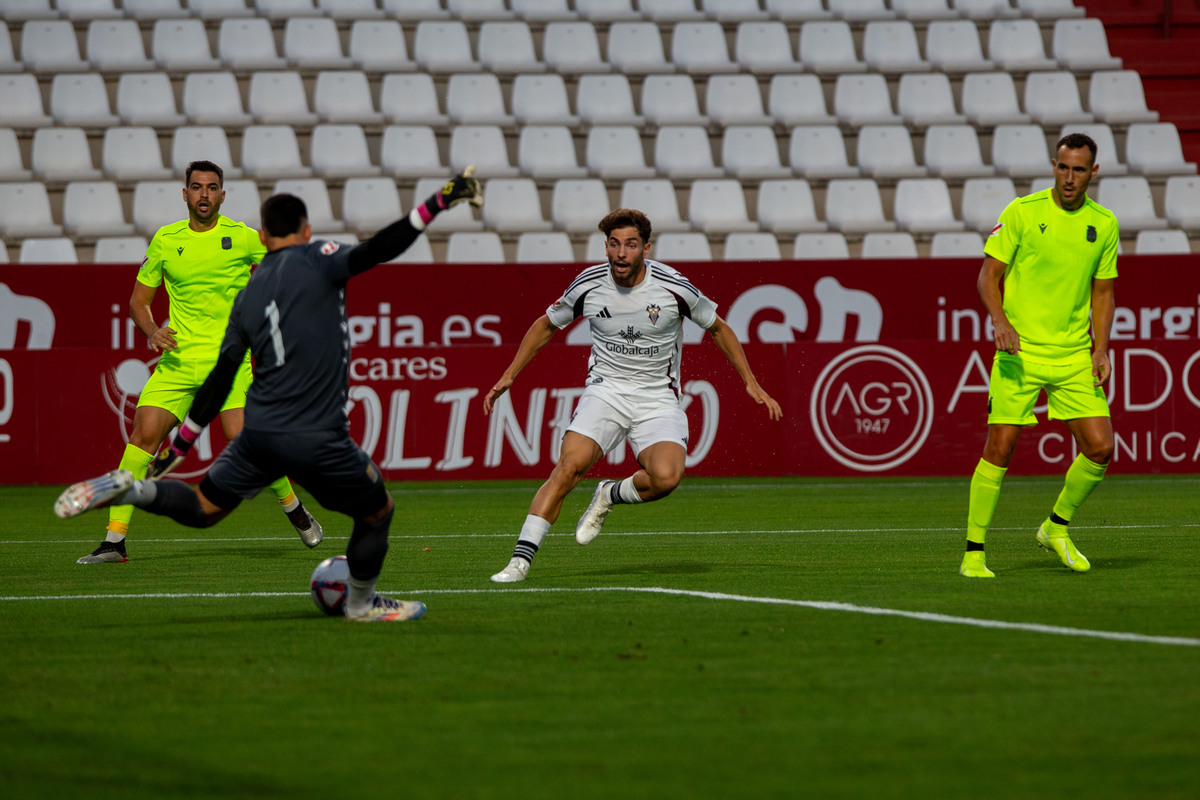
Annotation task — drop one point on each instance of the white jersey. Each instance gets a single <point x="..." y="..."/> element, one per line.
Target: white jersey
<point x="637" y="333"/>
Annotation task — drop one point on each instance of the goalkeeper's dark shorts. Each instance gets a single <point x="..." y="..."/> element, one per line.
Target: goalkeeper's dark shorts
<point x="328" y="464"/>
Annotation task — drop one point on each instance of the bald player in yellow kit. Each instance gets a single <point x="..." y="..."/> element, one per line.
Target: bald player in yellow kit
<point x="1056" y="253"/>
<point x="203" y="261"/>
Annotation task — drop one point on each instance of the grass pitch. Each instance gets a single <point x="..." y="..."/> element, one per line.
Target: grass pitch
<point x="751" y="638"/>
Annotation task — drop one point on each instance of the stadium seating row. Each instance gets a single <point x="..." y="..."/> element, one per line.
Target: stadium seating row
<point x="556" y="247"/>
<point x="543" y="10"/>
<point x="613" y="152"/>
<point x="445" y="46"/>
<point x="301" y="78"/>
<point x="920" y="206"/>
<point x="283" y="96"/>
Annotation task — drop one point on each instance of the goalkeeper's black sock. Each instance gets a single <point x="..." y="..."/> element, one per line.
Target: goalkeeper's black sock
<point x="174" y="499"/>
<point x="367" y="547"/>
<point x="364" y="555"/>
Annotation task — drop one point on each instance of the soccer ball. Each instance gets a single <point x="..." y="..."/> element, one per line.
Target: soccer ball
<point x="330" y="585"/>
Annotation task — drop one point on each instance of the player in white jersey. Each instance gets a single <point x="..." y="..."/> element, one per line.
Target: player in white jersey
<point x="635" y="309"/>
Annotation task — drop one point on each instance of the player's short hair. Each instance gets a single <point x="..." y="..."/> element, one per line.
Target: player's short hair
<point x="1076" y="141"/>
<point x="626" y="218"/>
<point x="283" y="215"/>
<point x="203" y="166"/>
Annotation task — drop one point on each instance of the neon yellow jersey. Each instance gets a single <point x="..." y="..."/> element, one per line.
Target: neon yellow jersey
<point x="1052" y="256"/>
<point x="203" y="272"/>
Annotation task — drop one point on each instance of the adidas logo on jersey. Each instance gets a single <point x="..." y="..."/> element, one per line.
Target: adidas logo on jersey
<point x="603" y="313"/>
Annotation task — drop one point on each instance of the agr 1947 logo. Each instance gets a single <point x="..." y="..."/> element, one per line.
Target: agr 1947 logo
<point x="871" y="408"/>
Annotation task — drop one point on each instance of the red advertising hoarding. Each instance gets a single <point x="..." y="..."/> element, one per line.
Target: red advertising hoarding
<point x="881" y="368"/>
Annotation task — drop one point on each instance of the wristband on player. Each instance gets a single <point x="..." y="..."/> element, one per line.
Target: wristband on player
<point x="187" y="434"/>
<point x="460" y="188"/>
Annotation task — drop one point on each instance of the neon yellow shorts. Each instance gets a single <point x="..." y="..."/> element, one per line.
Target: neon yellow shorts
<point x="1069" y="387"/>
<point x="173" y="386"/>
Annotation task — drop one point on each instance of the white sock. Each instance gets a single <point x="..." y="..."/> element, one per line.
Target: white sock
<point x="360" y="595"/>
<point x="625" y="492"/>
<point x="533" y="531"/>
<point x="114" y="537"/>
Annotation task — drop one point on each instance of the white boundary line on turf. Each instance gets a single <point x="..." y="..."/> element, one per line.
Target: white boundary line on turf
<point x="1028" y="481"/>
<point x="820" y="605"/>
<point x="610" y="534"/>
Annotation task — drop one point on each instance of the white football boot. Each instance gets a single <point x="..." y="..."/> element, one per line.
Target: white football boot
<point x="516" y="571"/>
<point x="387" y="609"/>
<point x="306" y="526"/>
<point x="94" y="493"/>
<point x="592" y="521"/>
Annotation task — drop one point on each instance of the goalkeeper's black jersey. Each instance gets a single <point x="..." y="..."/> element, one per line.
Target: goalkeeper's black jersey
<point x="292" y="317"/>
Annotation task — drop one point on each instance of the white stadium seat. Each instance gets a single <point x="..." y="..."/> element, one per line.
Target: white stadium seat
<point x="482" y="247"/>
<point x="786" y="206"/>
<point x="541" y="100"/>
<point x="410" y="151"/>
<point x="854" y="206"/>
<point x="26" y="207"/>
<point x="370" y="204"/>
<point x="752" y="247"/>
<point x="92" y="209"/>
<point x="1155" y="149"/>
<point x="511" y="205"/>
<point x="133" y="154"/>
<point x="719" y="206"/>
<point x="545" y="248"/>
<point x="820" y="247"/>
<point x="922" y="205"/>
<point x="1129" y="198"/>
<point x="578" y="205"/>
<point x="656" y="197"/>
<point x="889" y="245"/>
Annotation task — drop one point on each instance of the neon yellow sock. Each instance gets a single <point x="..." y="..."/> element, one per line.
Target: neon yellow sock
<point x="137" y="461"/>
<point x="1082" y="478"/>
<point x="284" y="494"/>
<point x="985" y="491"/>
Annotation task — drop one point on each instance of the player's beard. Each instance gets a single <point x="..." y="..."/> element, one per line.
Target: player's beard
<point x="635" y="271"/>
<point x="204" y="217"/>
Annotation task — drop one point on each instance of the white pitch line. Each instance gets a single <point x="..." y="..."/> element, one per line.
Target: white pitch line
<point x="820" y="605"/>
<point x="611" y="534"/>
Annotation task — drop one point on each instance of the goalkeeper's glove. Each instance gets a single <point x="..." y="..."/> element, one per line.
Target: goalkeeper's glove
<point x="175" y="452"/>
<point x="460" y="188"/>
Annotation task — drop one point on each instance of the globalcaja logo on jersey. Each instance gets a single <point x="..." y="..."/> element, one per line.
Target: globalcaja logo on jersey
<point x="871" y="408"/>
<point x="1091" y="233"/>
<point x="226" y="243"/>
<point x="630" y="335"/>
<point x="653" y="311"/>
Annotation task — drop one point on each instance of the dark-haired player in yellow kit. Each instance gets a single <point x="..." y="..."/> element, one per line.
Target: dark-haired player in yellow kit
<point x="204" y="261"/>
<point x="1056" y="252"/>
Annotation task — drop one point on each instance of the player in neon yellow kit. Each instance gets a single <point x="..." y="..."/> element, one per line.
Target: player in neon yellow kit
<point x="1056" y="251"/>
<point x="204" y="261"/>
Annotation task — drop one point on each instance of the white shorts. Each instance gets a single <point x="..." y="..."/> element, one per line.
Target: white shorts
<point x="652" y="423"/>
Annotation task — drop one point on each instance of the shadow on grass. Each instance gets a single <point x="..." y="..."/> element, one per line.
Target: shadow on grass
<point x="1121" y="562"/>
